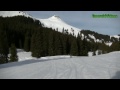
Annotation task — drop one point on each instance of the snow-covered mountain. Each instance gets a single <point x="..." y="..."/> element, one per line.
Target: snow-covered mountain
<point x="53" y="22"/>
<point x="13" y="13"/>
<point x="57" y="23"/>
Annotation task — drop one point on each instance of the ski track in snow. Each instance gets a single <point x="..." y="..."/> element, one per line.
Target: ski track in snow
<point x="95" y="67"/>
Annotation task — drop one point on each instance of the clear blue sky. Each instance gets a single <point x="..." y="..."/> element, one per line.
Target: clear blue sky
<point x="84" y="20"/>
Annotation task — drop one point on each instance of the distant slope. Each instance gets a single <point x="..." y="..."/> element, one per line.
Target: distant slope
<point x="56" y="23"/>
<point x="96" y="37"/>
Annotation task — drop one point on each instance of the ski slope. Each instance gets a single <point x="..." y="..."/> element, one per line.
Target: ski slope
<point x="105" y="66"/>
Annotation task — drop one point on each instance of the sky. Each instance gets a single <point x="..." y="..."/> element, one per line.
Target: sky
<point x="84" y="20"/>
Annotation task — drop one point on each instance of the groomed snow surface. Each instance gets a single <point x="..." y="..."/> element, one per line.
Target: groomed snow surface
<point x="105" y="66"/>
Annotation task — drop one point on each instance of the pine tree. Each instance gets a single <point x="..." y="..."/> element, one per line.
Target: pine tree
<point x="74" y="47"/>
<point x="13" y="53"/>
<point x="63" y="39"/>
<point x="63" y="31"/>
<point x="45" y="42"/>
<point x="4" y="49"/>
<point x="99" y="52"/>
<point x="79" y="44"/>
<point x="32" y="48"/>
<point x="38" y="44"/>
<point x="84" y="48"/>
<point x="59" y="47"/>
<point x="51" y="44"/>
<point x="68" y="45"/>
<point x="27" y="42"/>
<point x="94" y="53"/>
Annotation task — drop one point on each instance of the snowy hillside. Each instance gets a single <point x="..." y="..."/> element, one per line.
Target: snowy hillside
<point x="115" y="36"/>
<point x="13" y="13"/>
<point x="56" y="23"/>
<point x="105" y="66"/>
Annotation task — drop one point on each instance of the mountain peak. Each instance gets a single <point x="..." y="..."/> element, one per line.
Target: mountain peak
<point x="55" y="17"/>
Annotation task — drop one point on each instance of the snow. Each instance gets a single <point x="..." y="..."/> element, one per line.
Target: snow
<point x="105" y="66"/>
<point x="108" y="43"/>
<point x="55" y="22"/>
<point x="82" y="36"/>
<point x="90" y="53"/>
<point x="13" y="13"/>
<point x="100" y="41"/>
<point x="23" y="56"/>
<point x="115" y="36"/>
<point x="91" y="36"/>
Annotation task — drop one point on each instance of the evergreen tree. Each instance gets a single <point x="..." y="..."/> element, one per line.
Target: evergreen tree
<point x="51" y="44"/>
<point x="68" y="45"/>
<point x="94" y="53"/>
<point x="4" y="49"/>
<point x="45" y="42"/>
<point x="27" y="42"/>
<point x="57" y="45"/>
<point x="38" y="44"/>
<point x="79" y="44"/>
<point x="63" y="39"/>
<point x="13" y="53"/>
<point x="32" y="48"/>
<point x="63" y="31"/>
<point x="74" y="48"/>
<point x="84" y="48"/>
<point x="99" y="52"/>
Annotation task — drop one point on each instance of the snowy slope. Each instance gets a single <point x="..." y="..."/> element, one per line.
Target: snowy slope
<point x="109" y="43"/>
<point x="105" y="66"/>
<point x="13" y="13"/>
<point x="115" y="36"/>
<point x="56" y="23"/>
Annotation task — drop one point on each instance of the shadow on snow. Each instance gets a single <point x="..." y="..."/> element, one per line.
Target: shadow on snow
<point x="12" y="64"/>
<point x="117" y="75"/>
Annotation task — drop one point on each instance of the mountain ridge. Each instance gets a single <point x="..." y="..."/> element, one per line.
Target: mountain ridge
<point x="55" y="22"/>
